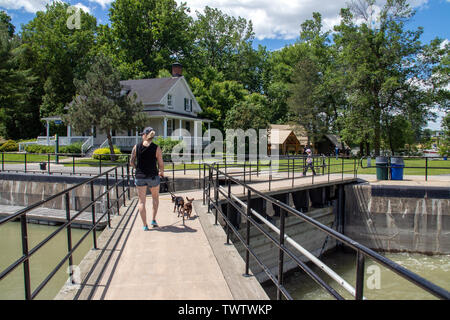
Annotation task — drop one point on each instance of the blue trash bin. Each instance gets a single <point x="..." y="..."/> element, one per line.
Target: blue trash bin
<point x="397" y="165"/>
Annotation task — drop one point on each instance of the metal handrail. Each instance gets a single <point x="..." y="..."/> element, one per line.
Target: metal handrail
<point x="21" y="214"/>
<point x="426" y="167"/>
<point x="362" y="251"/>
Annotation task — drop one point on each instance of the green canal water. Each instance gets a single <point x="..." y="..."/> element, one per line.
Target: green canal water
<point x="42" y="262"/>
<point x="379" y="283"/>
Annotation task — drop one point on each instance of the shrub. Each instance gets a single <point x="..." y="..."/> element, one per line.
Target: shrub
<point x="9" y="146"/>
<point x="74" y="148"/>
<point x="166" y="145"/>
<point x="37" y="148"/>
<point x="104" y="153"/>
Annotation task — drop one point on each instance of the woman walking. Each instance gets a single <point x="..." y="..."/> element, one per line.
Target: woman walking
<point x="144" y="158"/>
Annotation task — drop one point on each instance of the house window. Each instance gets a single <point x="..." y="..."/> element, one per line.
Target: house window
<point x="187" y="104"/>
<point x="170" y="127"/>
<point x="188" y="126"/>
<point x="169" y="101"/>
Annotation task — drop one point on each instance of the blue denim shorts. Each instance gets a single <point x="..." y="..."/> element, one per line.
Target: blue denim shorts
<point x="148" y="181"/>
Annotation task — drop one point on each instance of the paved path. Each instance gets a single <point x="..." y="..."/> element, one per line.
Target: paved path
<point x="169" y="262"/>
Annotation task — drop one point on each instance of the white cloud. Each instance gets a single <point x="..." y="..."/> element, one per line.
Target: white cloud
<point x="102" y="3"/>
<point x="82" y="7"/>
<point x="279" y="18"/>
<point x="28" y="5"/>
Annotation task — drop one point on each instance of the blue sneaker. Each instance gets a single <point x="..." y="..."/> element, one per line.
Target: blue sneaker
<point x="146" y="228"/>
<point x="154" y="224"/>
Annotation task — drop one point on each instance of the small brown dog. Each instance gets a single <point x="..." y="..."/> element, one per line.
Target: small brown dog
<point x="187" y="208"/>
<point x="179" y="204"/>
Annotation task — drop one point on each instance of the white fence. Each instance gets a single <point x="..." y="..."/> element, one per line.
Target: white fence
<point x="88" y="142"/>
<point x="128" y="142"/>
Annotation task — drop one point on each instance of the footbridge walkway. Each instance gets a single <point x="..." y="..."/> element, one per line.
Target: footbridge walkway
<point x="198" y="258"/>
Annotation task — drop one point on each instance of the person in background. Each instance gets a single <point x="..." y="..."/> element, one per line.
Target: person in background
<point x="309" y="162"/>
<point x="144" y="158"/>
<point x="336" y="150"/>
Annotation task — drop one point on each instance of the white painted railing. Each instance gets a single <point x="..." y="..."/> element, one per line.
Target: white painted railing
<point x="62" y="141"/>
<point x="130" y="141"/>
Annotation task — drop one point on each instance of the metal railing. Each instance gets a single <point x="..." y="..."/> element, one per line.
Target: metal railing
<point x="427" y="167"/>
<point x="249" y="214"/>
<point x="111" y="204"/>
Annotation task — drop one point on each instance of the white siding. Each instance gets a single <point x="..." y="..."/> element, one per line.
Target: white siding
<point x="179" y="92"/>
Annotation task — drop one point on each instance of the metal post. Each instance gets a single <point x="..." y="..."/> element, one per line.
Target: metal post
<point x="107" y="200"/>
<point x="117" y="192"/>
<point x="100" y="164"/>
<point x="73" y="164"/>
<point x="228" y="210"/>
<point x="25" y="163"/>
<point x="342" y="168"/>
<point x="173" y="176"/>
<point x="247" y="253"/>
<point x="204" y="184"/>
<point x="123" y="187"/>
<point x="128" y="180"/>
<point x="216" y="192"/>
<point x="289" y="168"/>
<point x="94" y="233"/>
<point x="209" y="188"/>
<point x="48" y="166"/>
<point x="26" y="263"/>
<point x="281" y="253"/>
<point x="329" y="163"/>
<point x="270" y="173"/>
<point x="69" y="235"/>
<point x="244" y="179"/>
<point x="293" y="171"/>
<point x="3" y="162"/>
<point x="426" y="168"/>
<point x="257" y="165"/>
<point x="359" y="276"/>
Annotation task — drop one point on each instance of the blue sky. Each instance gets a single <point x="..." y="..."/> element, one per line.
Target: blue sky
<point x="276" y="22"/>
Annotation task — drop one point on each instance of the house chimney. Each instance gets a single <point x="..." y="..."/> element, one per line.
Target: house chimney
<point x="177" y="70"/>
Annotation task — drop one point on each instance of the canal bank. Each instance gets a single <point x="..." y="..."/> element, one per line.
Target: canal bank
<point x="400" y="216"/>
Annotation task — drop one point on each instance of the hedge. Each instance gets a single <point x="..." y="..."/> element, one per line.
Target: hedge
<point x="74" y="148"/>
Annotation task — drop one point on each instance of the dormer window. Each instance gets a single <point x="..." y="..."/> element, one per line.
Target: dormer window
<point x="187" y="104"/>
<point x="169" y="101"/>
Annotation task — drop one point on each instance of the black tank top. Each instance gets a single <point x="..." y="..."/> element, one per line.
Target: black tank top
<point x="146" y="161"/>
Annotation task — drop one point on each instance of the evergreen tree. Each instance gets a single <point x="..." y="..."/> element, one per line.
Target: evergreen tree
<point x="102" y="102"/>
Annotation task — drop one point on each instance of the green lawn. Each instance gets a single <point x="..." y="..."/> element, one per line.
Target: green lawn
<point x="331" y="165"/>
<point x="9" y="158"/>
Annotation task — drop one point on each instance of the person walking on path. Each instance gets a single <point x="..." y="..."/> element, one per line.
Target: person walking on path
<point x="309" y="163"/>
<point x="144" y="159"/>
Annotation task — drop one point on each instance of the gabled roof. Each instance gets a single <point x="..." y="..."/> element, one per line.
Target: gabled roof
<point x="150" y="91"/>
<point x="284" y="130"/>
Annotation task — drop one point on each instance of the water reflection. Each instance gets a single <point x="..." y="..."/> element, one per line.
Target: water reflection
<point x="379" y="283"/>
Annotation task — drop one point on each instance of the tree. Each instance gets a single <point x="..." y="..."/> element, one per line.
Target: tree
<point x="313" y="97"/>
<point x="147" y="35"/>
<point x="57" y="55"/>
<point x="101" y="102"/>
<point x="17" y="115"/>
<point x="381" y="64"/>
<point x="252" y="113"/>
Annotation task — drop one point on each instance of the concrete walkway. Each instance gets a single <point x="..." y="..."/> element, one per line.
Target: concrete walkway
<point x="171" y="262"/>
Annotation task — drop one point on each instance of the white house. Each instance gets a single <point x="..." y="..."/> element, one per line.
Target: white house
<point x="170" y="104"/>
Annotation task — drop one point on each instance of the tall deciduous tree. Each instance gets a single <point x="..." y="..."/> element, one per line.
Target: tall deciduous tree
<point x="381" y="63"/>
<point x="147" y="35"/>
<point x="17" y="115"/>
<point x="103" y="103"/>
<point x="57" y="54"/>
